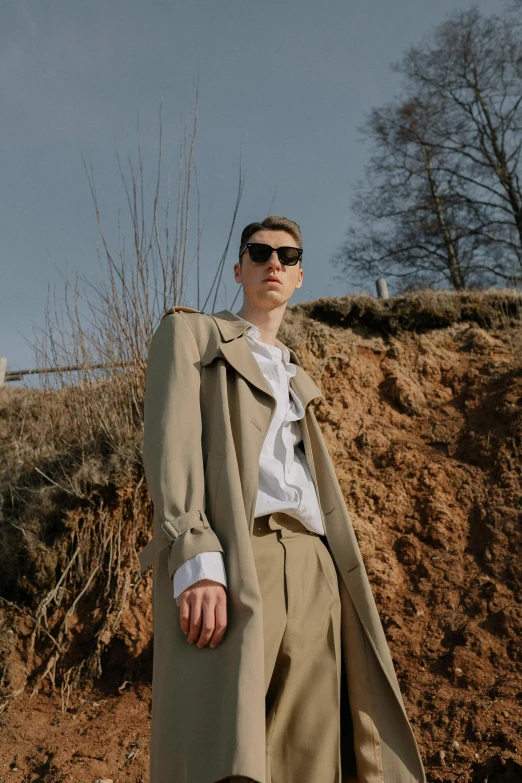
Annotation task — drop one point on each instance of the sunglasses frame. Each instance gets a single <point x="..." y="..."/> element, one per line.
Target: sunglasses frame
<point x="248" y="245"/>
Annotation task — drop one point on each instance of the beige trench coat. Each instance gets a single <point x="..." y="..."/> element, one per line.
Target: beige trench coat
<point x="207" y="411"/>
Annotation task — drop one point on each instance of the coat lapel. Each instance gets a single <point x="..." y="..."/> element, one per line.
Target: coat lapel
<point x="237" y="353"/>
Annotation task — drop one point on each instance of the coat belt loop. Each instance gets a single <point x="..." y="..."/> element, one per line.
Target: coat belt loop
<point x="167" y="526"/>
<point x="171" y="530"/>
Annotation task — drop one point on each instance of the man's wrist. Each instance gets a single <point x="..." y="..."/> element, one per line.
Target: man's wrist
<point x="206" y="565"/>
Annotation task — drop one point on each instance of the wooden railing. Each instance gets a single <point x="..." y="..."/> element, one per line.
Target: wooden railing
<point x="17" y="375"/>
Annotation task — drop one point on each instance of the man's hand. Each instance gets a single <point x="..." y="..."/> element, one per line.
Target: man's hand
<point x="203" y="612"/>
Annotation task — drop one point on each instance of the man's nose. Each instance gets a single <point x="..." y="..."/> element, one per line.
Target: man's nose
<point x="274" y="259"/>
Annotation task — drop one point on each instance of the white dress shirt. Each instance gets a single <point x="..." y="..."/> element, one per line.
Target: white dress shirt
<point x="285" y="483"/>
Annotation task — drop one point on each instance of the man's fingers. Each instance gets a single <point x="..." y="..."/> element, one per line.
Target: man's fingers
<point x="220" y="627"/>
<point x="195" y="617"/>
<point x="207" y="626"/>
<point x="203" y="613"/>
<point x="184" y="612"/>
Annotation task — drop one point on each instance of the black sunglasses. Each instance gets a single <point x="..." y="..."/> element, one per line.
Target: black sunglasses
<point x="261" y="253"/>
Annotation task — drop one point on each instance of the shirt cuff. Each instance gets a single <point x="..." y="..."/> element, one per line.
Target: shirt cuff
<point x="206" y="565"/>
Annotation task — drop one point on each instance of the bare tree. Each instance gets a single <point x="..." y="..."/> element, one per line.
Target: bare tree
<point x="442" y="202"/>
<point x="103" y="324"/>
<point x="412" y="228"/>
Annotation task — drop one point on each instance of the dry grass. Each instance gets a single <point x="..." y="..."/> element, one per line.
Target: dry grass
<point x="418" y="311"/>
<point x="75" y="511"/>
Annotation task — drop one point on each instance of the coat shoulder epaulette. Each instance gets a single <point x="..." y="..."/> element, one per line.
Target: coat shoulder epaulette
<point x="178" y="308"/>
<point x="199" y="326"/>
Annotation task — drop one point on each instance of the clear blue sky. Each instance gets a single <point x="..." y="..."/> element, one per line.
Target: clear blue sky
<point x="291" y="81"/>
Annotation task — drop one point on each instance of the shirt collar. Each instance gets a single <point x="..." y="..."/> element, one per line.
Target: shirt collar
<point x="255" y="334"/>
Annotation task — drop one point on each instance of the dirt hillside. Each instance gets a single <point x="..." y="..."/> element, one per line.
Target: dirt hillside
<point x="423" y="418"/>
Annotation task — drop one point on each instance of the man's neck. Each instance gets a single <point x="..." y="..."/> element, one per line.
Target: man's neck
<point x="267" y="321"/>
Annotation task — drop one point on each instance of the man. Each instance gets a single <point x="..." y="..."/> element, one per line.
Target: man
<point x="276" y="668"/>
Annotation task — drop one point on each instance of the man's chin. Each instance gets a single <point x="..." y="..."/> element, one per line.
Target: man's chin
<point x="273" y="295"/>
<point x="268" y="299"/>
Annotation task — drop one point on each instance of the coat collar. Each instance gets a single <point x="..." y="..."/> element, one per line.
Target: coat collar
<point x="237" y="353"/>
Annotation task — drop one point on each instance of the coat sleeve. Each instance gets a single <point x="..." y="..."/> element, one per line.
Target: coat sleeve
<point x="172" y="452"/>
<point x="207" y="565"/>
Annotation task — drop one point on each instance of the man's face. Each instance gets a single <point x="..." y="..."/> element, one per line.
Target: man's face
<point x="256" y="288"/>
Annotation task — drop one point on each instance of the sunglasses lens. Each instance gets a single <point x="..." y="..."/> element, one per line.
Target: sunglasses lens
<point x="289" y="255"/>
<point x="259" y="252"/>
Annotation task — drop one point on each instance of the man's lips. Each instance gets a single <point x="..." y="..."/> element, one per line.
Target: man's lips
<point x="271" y="280"/>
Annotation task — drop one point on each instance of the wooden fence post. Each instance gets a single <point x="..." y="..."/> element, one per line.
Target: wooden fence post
<point x="382" y="288"/>
<point x="3" y="365"/>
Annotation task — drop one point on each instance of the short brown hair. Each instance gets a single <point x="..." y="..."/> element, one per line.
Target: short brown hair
<point x="272" y="223"/>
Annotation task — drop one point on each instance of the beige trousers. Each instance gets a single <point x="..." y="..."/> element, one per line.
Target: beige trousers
<point x="302" y="630"/>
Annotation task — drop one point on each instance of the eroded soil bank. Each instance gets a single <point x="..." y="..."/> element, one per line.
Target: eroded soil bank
<point x="424" y="423"/>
